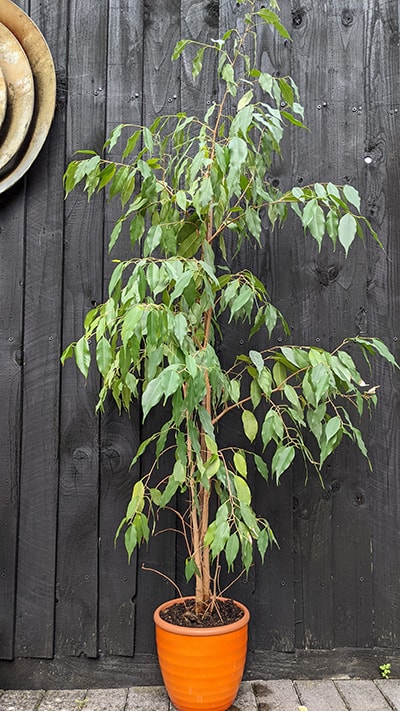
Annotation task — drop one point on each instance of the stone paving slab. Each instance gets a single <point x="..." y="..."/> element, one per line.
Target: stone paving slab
<point x="322" y="695"/>
<point x="390" y="688"/>
<point x="362" y="695"/>
<point x="276" y="695"/>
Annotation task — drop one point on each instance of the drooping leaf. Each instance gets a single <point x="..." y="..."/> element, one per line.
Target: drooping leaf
<point x="347" y="231"/>
<point x="82" y="356"/>
<point x="352" y="196"/>
<point x="272" y="18"/>
<point x="250" y="424"/>
<point x="282" y="460"/>
<point x="239" y="461"/>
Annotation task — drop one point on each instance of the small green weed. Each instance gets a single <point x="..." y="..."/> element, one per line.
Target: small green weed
<point x="385" y="670"/>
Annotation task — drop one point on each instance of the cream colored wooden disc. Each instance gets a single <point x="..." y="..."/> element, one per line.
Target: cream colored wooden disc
<point x="42" y="66"/>
<point x="3" y="97"/>
<point x="20" y="95"/>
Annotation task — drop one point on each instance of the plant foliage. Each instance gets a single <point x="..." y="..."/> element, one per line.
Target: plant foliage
<point x="190" y="189"/>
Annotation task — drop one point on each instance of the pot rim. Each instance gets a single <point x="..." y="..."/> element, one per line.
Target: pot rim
<point x="199" y="631"/>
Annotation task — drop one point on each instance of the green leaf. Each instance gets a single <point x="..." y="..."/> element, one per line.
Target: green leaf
<point x="272" y="18"/>
<point x="156" y="496"/>
<point x="272" y="428"/>
<point x="347" y="231"/>
<point x="378" y="346"/>
<point x="189" y="239"/>
<point x="242" y="490"/>
<point x="190" y="569"/>
<point x="82" y="356"/>
<point x="282" y="460"/>
<point x="314" y="219"/>
<point x="235" y="390"/>
<point x="103" y="355"/>
<point x="263" y="543"/>
<point x="181" y="199"/>
<point x="231" y="550"/>
<point x="253" y="222"/>
<point x="170" y="381"/>
<point x="137" y="500"/>
<point x="352" y="196"/>
<point x="265" y="381"/>
<point x="211" y="444"/>
<point x="255" y="393"/>
<point x="212" y="466"/>
<point x="257" y="359"/>
<point x="130" y="540"/>
<point x="151" y="396"/>
<point x="179" y="47"/>
<point x="152" y="240"/>
<point x="179" y="472"/>
<point x="332" y="427"/>
<point x="228" y="75"/>
<point x="198" y="63"/>
<point x="136" y="228"/>
<point x="238" y="151"/>
<point x="261" y="466"/>
<point x="321" y="379"/>
<point x="239" y="460"/>
<point x="68" y="353"/>
<point x="332" y="222"/>
<point x="245" y="99"/>
<point x="250" y="424"/>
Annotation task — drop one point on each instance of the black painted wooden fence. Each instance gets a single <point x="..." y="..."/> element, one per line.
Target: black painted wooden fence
<point x="71" y="609"/>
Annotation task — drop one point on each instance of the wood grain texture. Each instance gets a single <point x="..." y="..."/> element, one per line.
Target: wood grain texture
<point x="42" y="336"/>
<point x="160" y="96"/>
<point x="382" y="177"/>
<point x="64" y="472"/>
<point x="119" y="433"/>
<point x="77" y="555"/>
<point x="11" y="296"/>
<point x="336" y="572"/>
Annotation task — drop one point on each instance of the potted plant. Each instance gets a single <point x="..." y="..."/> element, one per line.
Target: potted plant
<point x="192" y="191"/>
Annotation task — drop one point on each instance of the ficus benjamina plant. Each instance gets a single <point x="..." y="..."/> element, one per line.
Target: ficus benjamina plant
<point x="191" y="191"/>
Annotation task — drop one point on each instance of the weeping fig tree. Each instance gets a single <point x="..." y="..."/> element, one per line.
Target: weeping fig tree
<point x="191" y="191"/>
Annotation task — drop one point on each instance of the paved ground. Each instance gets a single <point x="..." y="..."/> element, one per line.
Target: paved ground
<point x="285" y="695"/>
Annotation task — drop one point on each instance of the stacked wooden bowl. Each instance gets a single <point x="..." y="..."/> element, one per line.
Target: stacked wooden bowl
<point x="27" y="92"/>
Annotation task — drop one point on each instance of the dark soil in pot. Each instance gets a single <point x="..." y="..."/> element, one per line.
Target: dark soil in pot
<point x="216" y="614"/>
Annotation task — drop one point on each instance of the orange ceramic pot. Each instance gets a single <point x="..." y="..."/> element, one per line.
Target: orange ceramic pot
<point x="201" y="667"/>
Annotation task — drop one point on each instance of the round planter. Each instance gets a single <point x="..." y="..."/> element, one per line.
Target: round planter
<point x="201" y="667"/>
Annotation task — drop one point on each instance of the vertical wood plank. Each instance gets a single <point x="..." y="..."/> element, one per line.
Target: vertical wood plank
<point x="382" y="176"/>
<point x="42" y="326"/>
<point x="77" y="555"/>
<point x="11" y="298"/>
<point x="234" y="340"/>
<point x="274" y="594"/>
<point x="311" y="317"/>
<point x="199" y="22"/>
<point x="160" y="97"/>
<point x="352" y="585"/>
<point x="327" y="64"/>
<point x="119" y="433"/>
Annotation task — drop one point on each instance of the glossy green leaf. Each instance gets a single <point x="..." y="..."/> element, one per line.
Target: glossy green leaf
<point x="231" y="550"/>
<point x="347" y="231"/>
<point x="250" y="425"/>
<point x="352" y="196"/>
<point x="242" y="489"/>
<point x="82" y="356"/>
<point x="270" y="17"/>
<point x="198" y="62"/>
<point x="282" y="460"/>
<point x="240" y="463"/>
